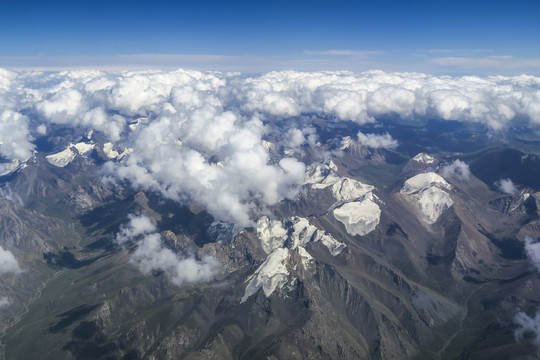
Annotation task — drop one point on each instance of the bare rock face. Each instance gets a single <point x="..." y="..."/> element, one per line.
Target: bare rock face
<point x="518" y="205"/>
<point x="427" y="267"/>
<point x="27" y="232"/>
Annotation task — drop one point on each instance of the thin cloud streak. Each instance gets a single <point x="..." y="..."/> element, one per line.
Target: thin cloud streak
<point x="463" y="62"/>
<point x="500" y="62"/>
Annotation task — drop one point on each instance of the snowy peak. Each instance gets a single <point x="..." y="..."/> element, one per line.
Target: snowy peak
<point x="321" y="176"/>
<point x="359" y="217"/>
<point x="428" y="192"/>
<point x="10" y="167"/>
<point x="272" y="274"/>
<point x="281" y="243"/>
<point x="348" y="189"/>
<point x="346" y="142"/>
<point x="305" y="233"/>
<point x="424" y="158"/>
<point x="424" y="181"/>
<point x="271" y="233"/>
<point x="356" y="207"/>
<point x="66" y="156"/>
<point x="115" y="154"/>
<point x="62" y="158"/>
<point x="517" y="205"/>
<point x="274" y="234"/>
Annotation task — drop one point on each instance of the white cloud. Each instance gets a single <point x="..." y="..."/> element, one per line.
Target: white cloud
<point x="8" y="262"/>
<point x="532" y="247"/>
<point x="15" y="139"/>
<point x="528" y="326"/>
<point x="384" y="141"/>
<point x="202" y="137"/>
<point x="150" y="254"/>
<point x="457" y="169"/>
<point x="138" y="225"/>
<point x="507" y="186"/>
<point x="7" y="193"/>
<point x="4" y="301"/>
<point x="41" y="129"/>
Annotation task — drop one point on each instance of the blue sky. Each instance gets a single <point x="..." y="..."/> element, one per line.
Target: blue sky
<point x="427" y="36"/>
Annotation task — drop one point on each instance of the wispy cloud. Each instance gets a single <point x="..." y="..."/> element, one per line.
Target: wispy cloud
<point x="496" y="62"/>
<point x="458" y="51"/>
<point x="344" y="52"/>
<point x="456" y="61"/>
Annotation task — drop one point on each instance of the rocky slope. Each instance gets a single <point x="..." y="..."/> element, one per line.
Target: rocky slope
<point x="426" y="266"/>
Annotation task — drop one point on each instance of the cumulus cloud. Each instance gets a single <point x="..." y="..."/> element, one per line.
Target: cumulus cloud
<point x="213" y="157"/>
<point x="494" y="101"/>
<point x="200" y="136"/>
<point x="4" y="301"/>
<point x="8" y="262"/>
<point x="507" y="186"/>
<point x="15" y="139"/>
<point x="138" y="225"/>
<point x="528" y="327"/>
<point x="532" y="247"/>
<point x="151" y="255"/>
<point x="384" y="141"/>
<point x="458" y="169"/>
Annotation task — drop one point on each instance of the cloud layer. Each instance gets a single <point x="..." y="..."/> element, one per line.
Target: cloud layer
<point x="201" y="136"/>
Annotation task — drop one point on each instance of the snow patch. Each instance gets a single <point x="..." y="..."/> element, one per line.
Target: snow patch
<point x="305" y="233"/>
<point x="84" y="148"/>
<point x="423" y="181"/>
<point x="111" y="153"/>
<point x="307" y="259"/>
<point x="433" y="202"/>
<point x="268" y="145"/>
<point x="66" y="156"/>
<point x="321" y="176"/>
<point x="9" y="167"/>
<point x="424" y="158"/>
<point x="272" y="274"/>
<point x="346" y="142"/>
<point x="428" y="192"/>
<point x="137" y="123"/>
<point x="62" y="158"/>
<point x="334" y="247"/>
<point x="348" y="189"/>
<point x="359" y="217"/>
<point x="271" y="233"/>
